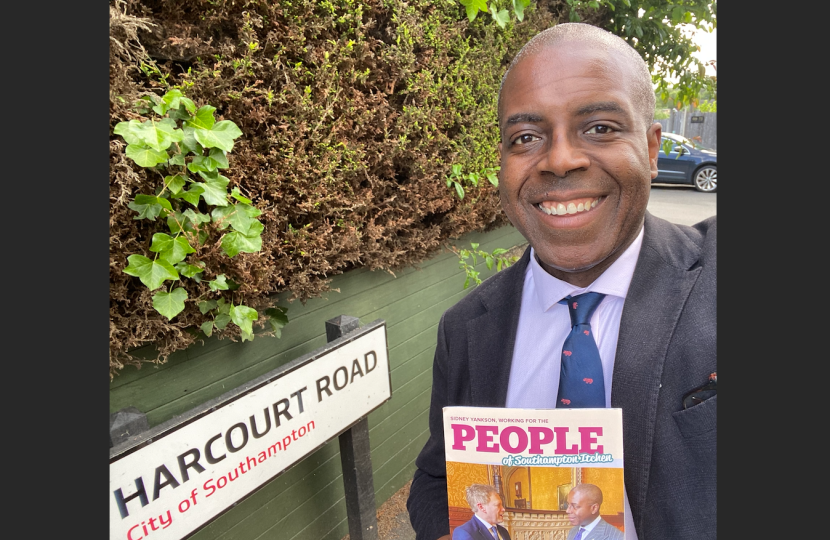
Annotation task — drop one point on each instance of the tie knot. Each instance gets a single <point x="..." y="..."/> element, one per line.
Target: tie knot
<point x="582" y="306"/>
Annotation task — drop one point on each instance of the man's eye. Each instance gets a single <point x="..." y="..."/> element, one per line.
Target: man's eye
<point x="599" y="130"/>
<point x="524" y="139"/>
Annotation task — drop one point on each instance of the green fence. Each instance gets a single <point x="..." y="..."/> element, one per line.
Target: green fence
<point x="306" y="502"/>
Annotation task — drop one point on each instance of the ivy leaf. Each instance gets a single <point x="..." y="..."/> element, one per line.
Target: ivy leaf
<point x="501" y="18"/>
<point x="218" y="284"/>
<point x="151" y="273"/>
<point x="207" y="305"/>
<point x="189" y="143"/>
<point x="215" y="188"/>
<point x="277" y="319"/>
<point x="172" y="250"/>
<point x="159" y="135"/>
<point x="221" y="135"/>
<point x="145" y="156"/>
<point x="222" y="306"/>
<point x="129" y="131"/>
<point x="493" y="178"/>
<point x="145" y="211"/>
<point x="170" y="304"/>
<point x="244" y="317"/>
<point x="175" y="183"/>
<point x="240" y="220"/>
<point x="203" y="119"/>
<point x="207" y="328"/>
<point x="220" y="215"/>
<point x="519" y="7"/>
<point x="222" y="320"/>
<point x="215" y="160"/>
<point x="473" y="7"/>
<point x="188" y="270"/>
<point x="238" y="196"/>
<point x="176" y="159"/>
<point x="196" y="217"/>
<point x="191" y="195"/>
<point x="235" y="242"/>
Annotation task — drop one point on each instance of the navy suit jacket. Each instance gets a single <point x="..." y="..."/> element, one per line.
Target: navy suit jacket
<point x="475" y="530"/>
<point x="666" y="348"/>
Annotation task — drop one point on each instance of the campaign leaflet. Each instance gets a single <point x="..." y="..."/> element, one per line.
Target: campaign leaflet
<point x="534" y="458"/>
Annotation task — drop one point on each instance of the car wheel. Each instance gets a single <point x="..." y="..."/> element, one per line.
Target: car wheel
<point x="706" y="179"/>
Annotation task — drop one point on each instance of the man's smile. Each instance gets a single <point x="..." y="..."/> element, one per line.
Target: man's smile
<point x="574" y="206"/>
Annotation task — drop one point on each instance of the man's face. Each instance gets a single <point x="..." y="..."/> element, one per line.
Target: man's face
<point x="581" y="510"/>
<point x="577" y="158"/>
<point x="492" y="511"/>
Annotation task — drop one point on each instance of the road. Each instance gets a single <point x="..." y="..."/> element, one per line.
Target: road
<point x="681" y="204"/>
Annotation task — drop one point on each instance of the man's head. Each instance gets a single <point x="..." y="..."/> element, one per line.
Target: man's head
<point x="578" y="148"/>
<point x="485" y="502"/>
<point x="584" y="501"/>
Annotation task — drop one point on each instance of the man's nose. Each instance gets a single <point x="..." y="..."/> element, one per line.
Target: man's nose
<point x="563" y="155"/>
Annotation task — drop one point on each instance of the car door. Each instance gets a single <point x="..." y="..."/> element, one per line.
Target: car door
<point x="674" y="169"/>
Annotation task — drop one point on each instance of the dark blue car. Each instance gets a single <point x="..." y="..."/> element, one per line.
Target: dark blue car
<point x="688" y="163"/>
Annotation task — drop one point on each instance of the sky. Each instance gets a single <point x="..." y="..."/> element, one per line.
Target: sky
<point x="708" y="48"/>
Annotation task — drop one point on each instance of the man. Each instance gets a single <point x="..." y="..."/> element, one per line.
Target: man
<point x="485" y="502"/>
<point x="584" y="501"/>
<point x="578" y="152"/>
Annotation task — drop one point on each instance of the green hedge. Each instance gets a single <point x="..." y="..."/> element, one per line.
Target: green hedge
<point x="352" y="113"/>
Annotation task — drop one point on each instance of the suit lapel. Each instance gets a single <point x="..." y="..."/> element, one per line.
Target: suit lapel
<point x="659" y="288"/>
<point x="491" y="336"/>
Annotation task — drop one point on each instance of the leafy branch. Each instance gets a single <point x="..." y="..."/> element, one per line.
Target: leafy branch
<point x="457" y="177"/>
<point x="176" y="143"/>
<point x="499" y="257"/>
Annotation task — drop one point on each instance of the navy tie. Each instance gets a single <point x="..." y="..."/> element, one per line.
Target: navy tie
<point x="581" y="383"/>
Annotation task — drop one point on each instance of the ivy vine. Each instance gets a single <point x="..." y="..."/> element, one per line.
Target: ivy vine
<point x="176" y="143"/>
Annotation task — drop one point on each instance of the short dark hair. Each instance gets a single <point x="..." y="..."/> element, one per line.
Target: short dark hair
<point x="643" y="96"/>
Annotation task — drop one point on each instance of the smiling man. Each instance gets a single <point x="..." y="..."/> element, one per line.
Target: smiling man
<point x="608" y="307"/>
<point x="485" y="502"/>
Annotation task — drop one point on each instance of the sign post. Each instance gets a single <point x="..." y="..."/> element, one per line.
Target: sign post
<point x="355" y="458"/>
<point x="175" y="478"/>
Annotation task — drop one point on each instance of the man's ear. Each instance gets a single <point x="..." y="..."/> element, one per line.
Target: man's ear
<point x="653" y="138"/>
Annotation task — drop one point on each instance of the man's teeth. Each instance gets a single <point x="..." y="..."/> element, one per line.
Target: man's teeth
<point x="573" y="207"/>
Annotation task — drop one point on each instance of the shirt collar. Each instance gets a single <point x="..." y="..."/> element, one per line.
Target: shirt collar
<point x="613" y="282"/>
<point x="589" y="527"/>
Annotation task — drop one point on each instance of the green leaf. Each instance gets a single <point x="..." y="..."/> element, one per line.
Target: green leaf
<point x="196" y="217"/>
<point x="159" y="135"/>
<point x="191" y="195"/>
<point x="218" y="284"/>
<point x="172" y="250"/>
<point x="215" y="160"/>
<point x="151" y="273"/>
<point x="207" y="328"/>
<point x="221" y="135"/>
<point x="459" y="190"/>
<point x="501" y="18"/>
<point x="207" y="305"/>
<point x="176" y="159"/>
<point x="188" y="270"/>
<point x="493" y="178"/>
<point x="473" y="7"/>
<point x="142" y="199"/>
<point x="222" y="320"/>
<point x="203" y="119"/>
<point x="146" y="211"/>
<point x="220" y="216"/>
<point x="236" y="242"/>
<point x="519" y="7"/>
<point x="129" y="131"/>
<point x="215" y="188"/>
<point x="238" y="196"/>
<point x="170" y="304"/>
<point x="189" y="143"/>
<point x="144" y="156"/>
<point x="277" y="319"/>
<point x="222" y="306"/>
<point x="240" y="220"/>
<point x="175" y="183"/>
<point x="244" y="317"/>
